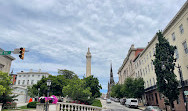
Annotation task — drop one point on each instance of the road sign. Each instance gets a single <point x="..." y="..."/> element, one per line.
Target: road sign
<point x="5" y="52"/>
<point x="186" y="92"/>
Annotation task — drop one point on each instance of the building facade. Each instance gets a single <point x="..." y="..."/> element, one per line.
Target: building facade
<point x="5" y="62"/>
<point x="25" y="79"/>
<point x="176" y="32"/>
<point x="127" y="68"/>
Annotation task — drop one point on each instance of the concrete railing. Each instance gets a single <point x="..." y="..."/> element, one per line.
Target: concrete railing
<point x="1" y="106"/>
<point x="61" y="106"/>
<point x="76" y="107"/>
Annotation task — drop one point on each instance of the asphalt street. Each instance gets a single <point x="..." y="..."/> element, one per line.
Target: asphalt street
<point x="115" y="106"/>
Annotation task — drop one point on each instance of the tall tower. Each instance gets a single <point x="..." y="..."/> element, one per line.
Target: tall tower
<point x="111" y="83"/>
<point x="88" y="63"/>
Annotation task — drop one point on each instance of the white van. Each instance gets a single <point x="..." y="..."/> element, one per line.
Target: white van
<point x="131" y="102"/>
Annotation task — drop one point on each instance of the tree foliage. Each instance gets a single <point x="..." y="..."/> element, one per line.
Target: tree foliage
<point x="116" y="91"/>
<point x="167" y="83"/>
<point x="5" y="88"/>
<point x="77" y="90"/>
<point x="132" y="88"/>
<point x="67" y="73"/>
<point x="93" y="83"/>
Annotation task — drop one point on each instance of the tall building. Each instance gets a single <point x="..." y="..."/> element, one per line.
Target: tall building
<point x="25" y="79"/>
<point x="176" y="32"/>
<point x="111" y="83"/>
<point x="127" y="68"/>
<point x="88" y="63"/>
<point x="5" y="62"/>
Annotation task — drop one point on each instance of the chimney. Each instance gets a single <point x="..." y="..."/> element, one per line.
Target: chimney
<point x="22" y="71"/>
<point x="39" y="70"/>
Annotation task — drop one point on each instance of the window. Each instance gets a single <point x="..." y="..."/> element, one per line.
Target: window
<point x="147" y="56"/>
<point x="150" y="53"/>
<point x="19" y="75"/>
<point x="153" y="81"/>
<point x="148" y="68"/>
<point x="138" y="72"/>
<point x="150" y="83"/>
<point x="141" y="72"/>
<point x="151" y="65"/>
<point x="185" y="47"/>
<point x="28" y="75"/>
<point x="27" y="82"/>
<point x="32" y="81"/>
<point x="23" y="82"/>
<point x="18" y="82"/>
<point x="1" y="67"/>
<point x="38" y="75"/>
<point x="24" y="75"/>
<point x="178" y="100"/>
<point x="173" y="36"/>
<point x="32" y="75"/>
<point x="181" y="29"/>
<point x="147" y="83"/>
<point x="153" y="51"/>
<point x="177" y="54"/>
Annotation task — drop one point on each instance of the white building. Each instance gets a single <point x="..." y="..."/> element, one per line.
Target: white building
<point x="25" y="79"/>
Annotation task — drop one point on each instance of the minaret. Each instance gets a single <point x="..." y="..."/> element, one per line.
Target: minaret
<point x="88" y="63"/>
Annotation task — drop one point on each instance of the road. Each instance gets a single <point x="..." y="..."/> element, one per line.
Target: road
<point x="115" y="106"/>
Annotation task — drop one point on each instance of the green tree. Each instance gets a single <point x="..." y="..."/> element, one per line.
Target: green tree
<point x="5" y="92"/>
<point x="77" y="90"/>
<point x="167" y="83"/>
<point x="93" y="83"/>
<point x="57" y="84"/>
<point x="133" y="88"/>
<point x="67" y="73"/>
<point x="116" y="91"/>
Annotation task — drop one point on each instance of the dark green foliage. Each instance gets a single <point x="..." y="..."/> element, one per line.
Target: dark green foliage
<point x="67" y="74"/>
<point x="116" y="91"/>
<point x="93" y="83"/>
<point x="32" y="105"/>
<point x="167" y="83"/>
<point x="132" y="88"/>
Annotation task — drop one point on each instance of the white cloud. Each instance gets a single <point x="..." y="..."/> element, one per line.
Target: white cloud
<point x="58" y="32"/>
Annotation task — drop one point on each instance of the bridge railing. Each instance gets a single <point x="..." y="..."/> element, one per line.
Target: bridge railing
<point x="61" y="106"/>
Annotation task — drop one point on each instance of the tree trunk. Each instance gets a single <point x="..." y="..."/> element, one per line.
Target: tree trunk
<point x="172" y="105"/>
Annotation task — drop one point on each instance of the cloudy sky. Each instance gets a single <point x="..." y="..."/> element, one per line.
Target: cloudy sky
<point x="57" y="33"/>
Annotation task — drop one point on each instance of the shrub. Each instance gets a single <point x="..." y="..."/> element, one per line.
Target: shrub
<point x="32" y="105"/>
<point x="96" y="103"/>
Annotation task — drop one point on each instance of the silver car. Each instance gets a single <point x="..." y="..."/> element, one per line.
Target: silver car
<point x="152" y="108"/>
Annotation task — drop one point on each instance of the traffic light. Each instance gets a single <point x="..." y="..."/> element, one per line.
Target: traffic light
<point x="22" y="51"/>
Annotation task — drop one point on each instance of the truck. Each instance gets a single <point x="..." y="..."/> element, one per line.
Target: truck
<point x="131" y="102"/>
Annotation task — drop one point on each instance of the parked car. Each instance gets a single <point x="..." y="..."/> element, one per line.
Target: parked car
<point x="131" y="102"/>
<point x="122" y="101"/>
<point x="152" y="108"/>
<point x="117" y="100"/>
<point x="108" y="101"/>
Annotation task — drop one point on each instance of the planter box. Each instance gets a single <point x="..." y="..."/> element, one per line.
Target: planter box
<point x="1" y="106"/>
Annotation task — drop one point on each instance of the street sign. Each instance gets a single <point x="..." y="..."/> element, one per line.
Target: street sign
<point x="5" y="52"/>
<point x="186" y="92"/>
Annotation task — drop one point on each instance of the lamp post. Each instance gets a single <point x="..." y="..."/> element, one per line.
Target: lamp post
<point x="38" y="93"/>
<point x="181" y="81"/>
<point x="48" y="85"/>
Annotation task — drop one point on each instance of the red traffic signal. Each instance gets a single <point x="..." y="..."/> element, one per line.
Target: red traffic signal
<point x="22" y="51"/>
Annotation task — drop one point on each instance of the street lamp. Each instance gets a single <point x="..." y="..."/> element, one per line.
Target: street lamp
<point x="38" y="93"/>
<point x="181" y="80"/>
<point x="48" y="85"/>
